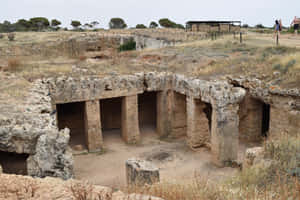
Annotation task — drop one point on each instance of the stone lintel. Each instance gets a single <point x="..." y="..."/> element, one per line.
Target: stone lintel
<point x="93" y="133"/>
<point x="224" y="135"/>
<point x="197" y="123"/>
<point x="130" y="123"/>
<point x="89" y="97"/>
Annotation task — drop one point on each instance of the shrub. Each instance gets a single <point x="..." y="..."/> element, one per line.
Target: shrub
<point x="166" y="23"/>
<point x="39" y="23"/>
<point x="140" y="26"/>
<point x="259" y="26"/>
<point x="117" y="23"/>
<point x="55" y="23"/>
<point x="153" y="25"/>
<point x="75" y="24"/>
<point x="128" y="46"/>
<point x="11" y="36"/>
<point x="1" y="36"/>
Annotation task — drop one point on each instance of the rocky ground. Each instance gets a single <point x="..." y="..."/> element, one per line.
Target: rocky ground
<point x="13" y="187"/>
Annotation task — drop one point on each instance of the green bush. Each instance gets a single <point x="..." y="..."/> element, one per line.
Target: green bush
<point x="153" y="25"/>
<point x="117" y="23"/>
<point x="166" y="23"/>
<point x="75" y="24"/>
<point x="140" y="26"/>
<point x="128" y="46"/>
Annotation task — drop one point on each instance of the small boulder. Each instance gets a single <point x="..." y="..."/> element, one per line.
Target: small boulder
<point x="141" y="172"/>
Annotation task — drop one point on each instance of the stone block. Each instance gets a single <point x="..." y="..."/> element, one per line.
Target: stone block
<point x="141" y="172"/>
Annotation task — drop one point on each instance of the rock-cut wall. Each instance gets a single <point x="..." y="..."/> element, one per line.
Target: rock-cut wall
<point x="34" y="132"/>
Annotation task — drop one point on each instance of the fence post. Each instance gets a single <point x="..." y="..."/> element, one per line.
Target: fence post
<point x="241" y="37"/>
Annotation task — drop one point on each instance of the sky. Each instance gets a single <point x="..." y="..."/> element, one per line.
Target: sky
<point x="144" y="11"/>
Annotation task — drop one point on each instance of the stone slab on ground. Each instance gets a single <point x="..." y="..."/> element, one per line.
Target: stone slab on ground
<point x="141" y="172"/>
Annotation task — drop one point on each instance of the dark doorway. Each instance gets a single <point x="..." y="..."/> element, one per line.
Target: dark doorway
<point x="13" y="163"/>
<point x="111" y="115"/>
<point x="147" y="110"/>
<point x="265" y="120"/>
<point x="208" y="112"/>
<point x="71" y="115"/>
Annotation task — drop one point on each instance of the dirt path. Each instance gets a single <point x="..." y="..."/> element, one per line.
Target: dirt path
<point x="175" y="160"/>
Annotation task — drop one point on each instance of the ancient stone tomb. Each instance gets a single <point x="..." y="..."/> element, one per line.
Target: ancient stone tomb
<point x="170" y="105"/>
<point x="216" y="114"/>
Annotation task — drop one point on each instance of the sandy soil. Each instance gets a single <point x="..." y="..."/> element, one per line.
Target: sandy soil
<point x="175" y="160"/>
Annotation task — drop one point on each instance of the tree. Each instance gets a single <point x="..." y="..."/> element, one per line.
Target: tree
<point x="117" y="23"/>
<point x="39" y="23"/>
<point x="166" y="23"/>
<point x="75" y="24"/>
<point x="94" y="24"/>
<point x="179" y="26"/>
<point x="55" y="23"/>
<point x="87" y="26"/>
<point x="245" y="26"/>
<point x="23" y="22"/>
<point x="153" y="25"/>
<point x="140" y="26"/>
<point x="259" y="26"/>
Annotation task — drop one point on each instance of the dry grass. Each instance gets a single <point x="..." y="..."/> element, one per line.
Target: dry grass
<point x="82" y="57"/>
<point x="14" y="65"/>
<point x="274" y="178"/>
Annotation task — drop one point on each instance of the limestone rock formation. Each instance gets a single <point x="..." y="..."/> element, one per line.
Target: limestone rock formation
<point x="30" y="128"/>
<point x="25" y="187"/>
<point x="141" y="172"/>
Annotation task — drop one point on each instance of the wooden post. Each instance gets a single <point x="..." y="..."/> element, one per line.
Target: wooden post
<point x="241" y="37"/>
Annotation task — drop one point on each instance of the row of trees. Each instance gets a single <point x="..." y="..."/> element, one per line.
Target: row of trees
<point x="42" y="24"/>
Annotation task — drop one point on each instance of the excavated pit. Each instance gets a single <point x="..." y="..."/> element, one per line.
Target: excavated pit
<point x="13" y="163"/>
<point x="71" y="115"/>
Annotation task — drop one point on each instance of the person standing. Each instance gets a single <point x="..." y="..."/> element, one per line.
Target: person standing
<point x="277" y="28"/>
<point x="296" y="24"/>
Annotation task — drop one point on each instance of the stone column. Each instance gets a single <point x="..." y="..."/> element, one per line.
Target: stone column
<point x="178" y="115"/>
<point x="224" y="135"/>
<point x="130" y="122"/>
<point x="197" y="123"/>
<point x="251" y="116"/>
<point x="164" y="110"/>
<point x="93" y="132"/>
